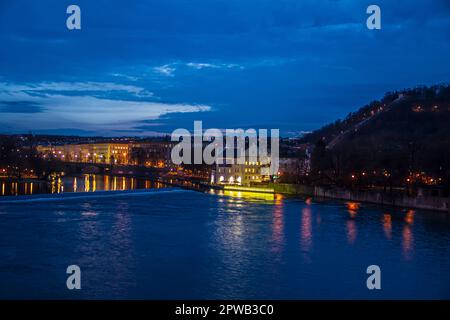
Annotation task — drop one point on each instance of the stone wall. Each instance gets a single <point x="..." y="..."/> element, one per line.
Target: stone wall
<point x="419" y="202"/>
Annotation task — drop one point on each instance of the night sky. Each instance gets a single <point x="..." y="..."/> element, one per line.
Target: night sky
<point x="140" y="67"/>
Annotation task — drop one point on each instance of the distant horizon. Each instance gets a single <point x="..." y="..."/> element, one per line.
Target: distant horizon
<point x="112" y="137"/>
<point x="168" y="134"/>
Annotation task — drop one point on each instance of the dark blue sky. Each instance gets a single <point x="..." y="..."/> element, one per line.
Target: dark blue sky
<point x="142" y="66"/>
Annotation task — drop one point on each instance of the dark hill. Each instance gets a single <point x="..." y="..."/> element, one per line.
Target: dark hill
<point x="404" y="138"/>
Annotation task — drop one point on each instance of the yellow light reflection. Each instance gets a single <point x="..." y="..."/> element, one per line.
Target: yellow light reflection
<point x="248" y="189"/>
<point x="387" y="225"/>
<point x="352" y="208"/>
<point x="249" y="195"/>
<point x="87" y="183"/>
<point x="410" y="217"/>
<point x="407" y="242"/>
<point x="106" y="182"/>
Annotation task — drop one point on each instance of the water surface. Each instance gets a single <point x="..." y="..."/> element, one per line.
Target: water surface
<point x="177" y="244"/>
<point x="79" y="183"/>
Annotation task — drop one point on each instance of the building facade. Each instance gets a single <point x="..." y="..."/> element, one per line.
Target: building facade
<point x="107" y="153"/>
<point x="150" y="154"/>
<point x="248" y="173"/>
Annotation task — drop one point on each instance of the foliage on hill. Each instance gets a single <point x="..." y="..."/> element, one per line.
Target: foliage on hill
<point x="402" y="139"/>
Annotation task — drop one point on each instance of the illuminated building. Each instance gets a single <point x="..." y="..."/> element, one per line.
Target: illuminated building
<point x="250" y="172"/>
<point x="107" y="153"/>
<point x="151" y="154"/>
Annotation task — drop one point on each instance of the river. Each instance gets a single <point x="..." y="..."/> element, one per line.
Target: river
<point x="170" y="243"/>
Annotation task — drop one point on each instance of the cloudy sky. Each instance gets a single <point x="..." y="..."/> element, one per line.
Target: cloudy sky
<point x="141" y="67"/>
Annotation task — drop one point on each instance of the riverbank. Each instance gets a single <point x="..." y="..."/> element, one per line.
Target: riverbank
<point x="116" y="183"/>
<point x="425" y="202"/>
<point x="419" y="202"/>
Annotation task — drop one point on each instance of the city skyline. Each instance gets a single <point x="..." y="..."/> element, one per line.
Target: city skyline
<point x="147" y="68"/>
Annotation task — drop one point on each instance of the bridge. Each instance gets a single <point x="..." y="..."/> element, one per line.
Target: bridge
<point x="102" y="168"/>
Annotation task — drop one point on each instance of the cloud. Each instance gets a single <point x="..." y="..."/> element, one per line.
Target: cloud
<point x="170" y="68"/>
<point x="52" y="108"/>
<point x="166" y="70"/>
<point x="125" y="76"/>
<point x="200" y="66"/>
<point x="64" y="87"/>
<point x="195" y="50"/>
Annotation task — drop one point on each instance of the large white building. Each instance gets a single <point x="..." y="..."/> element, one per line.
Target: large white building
<point x="245" y="174"/>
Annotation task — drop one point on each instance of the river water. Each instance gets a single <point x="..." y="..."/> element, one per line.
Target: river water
<point x="80" y="183"/>
<point x="179" y="244"/>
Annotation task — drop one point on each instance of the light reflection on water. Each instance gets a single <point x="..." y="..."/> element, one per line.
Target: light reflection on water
<point x="192" y="245"/>
<point x="306" y="229"/>
<point x="387" y="225"/>
<point x="278" y="228"/>
<point x="407" y="242"/>
<point x="82" y="183"/>
<point x="352" y="231"/>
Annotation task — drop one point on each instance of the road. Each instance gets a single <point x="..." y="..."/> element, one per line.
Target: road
<point x="360" y="124"/>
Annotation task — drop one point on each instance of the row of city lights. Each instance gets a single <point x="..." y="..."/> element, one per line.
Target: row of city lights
<point x="422" y="177"/>
<point x="419" y="108"/>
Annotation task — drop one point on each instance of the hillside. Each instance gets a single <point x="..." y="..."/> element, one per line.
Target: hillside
<point x="404" y="137"/>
